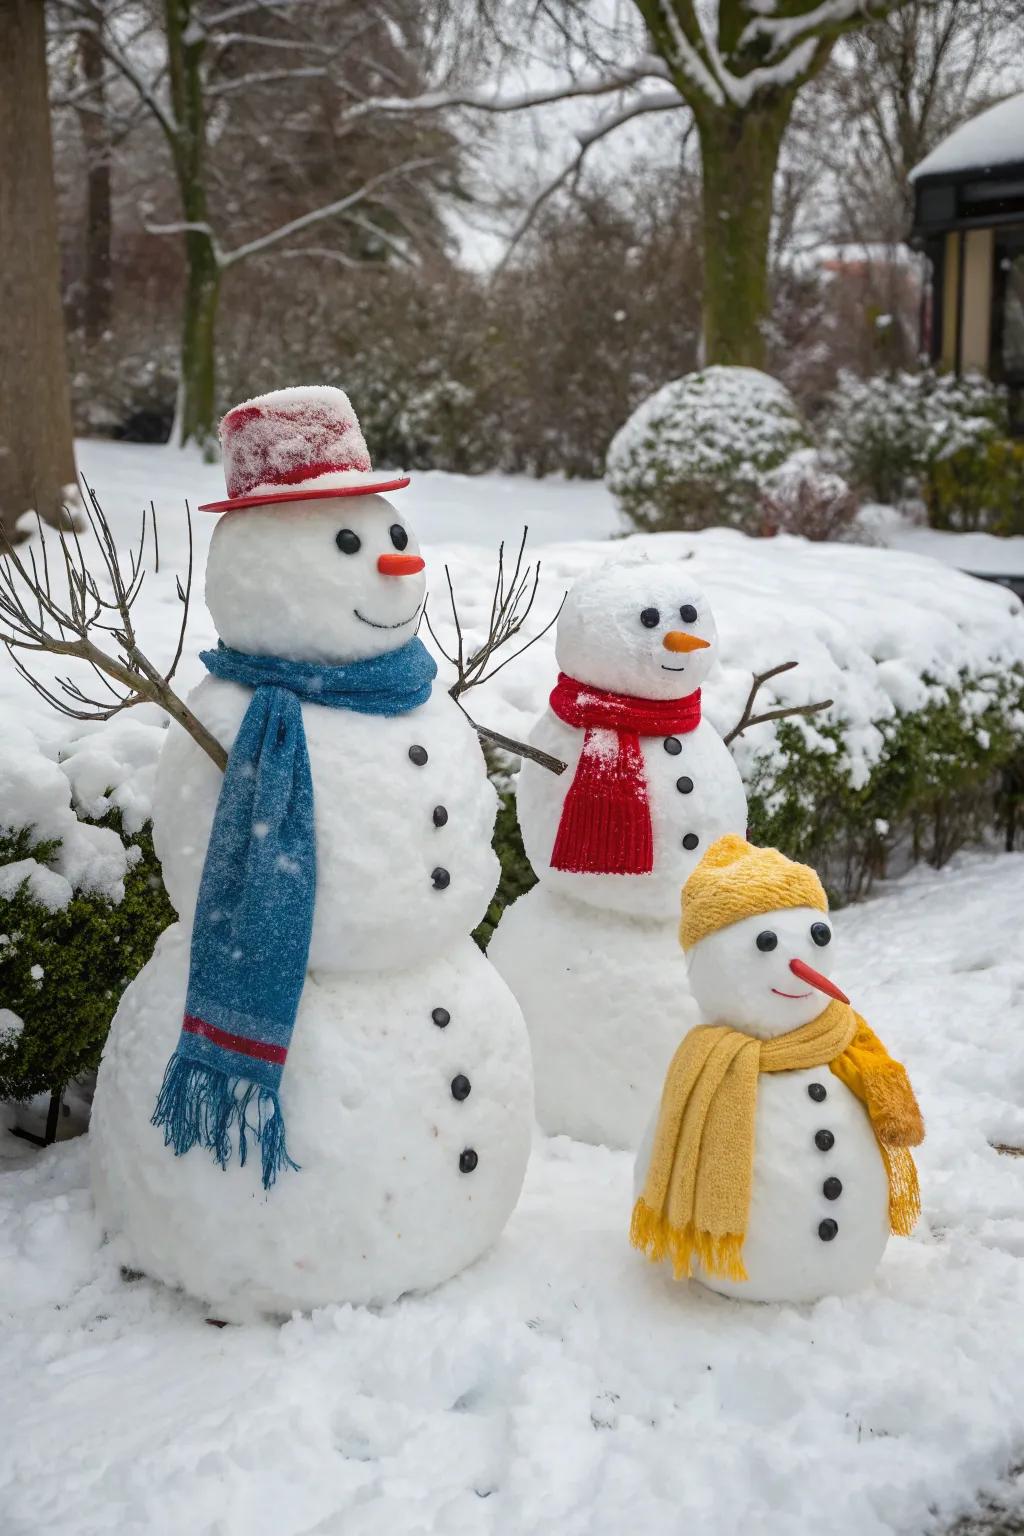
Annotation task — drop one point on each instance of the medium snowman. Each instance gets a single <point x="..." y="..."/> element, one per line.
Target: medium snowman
<point x="778" y="1161"/>
<point x="591" y="952"/>
<point x="317" y="1090"/>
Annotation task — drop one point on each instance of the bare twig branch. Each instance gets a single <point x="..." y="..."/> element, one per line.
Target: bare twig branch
<point x="786" y="712"/>
<point x="511" y="603"/>
<point x="40" y="621"/>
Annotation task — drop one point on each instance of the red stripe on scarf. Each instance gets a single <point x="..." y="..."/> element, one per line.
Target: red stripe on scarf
<point x="606" y="818"/>
<point x="240" y="1043"/>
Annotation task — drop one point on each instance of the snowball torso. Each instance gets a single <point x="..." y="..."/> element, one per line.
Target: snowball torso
<point x="714" y="805"/>
<point x="377" y="839"/>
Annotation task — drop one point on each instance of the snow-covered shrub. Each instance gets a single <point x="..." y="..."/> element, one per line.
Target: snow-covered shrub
<point x="980" y="486"/>
<point x="803" y="497"/>
<point x="883" y="433"/>
<point x="696" y="453"/>
<point x="81" y="906"/>
<point x="944" y="780"/>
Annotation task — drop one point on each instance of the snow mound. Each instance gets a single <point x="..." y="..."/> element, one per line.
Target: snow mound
<point x="35" y="795"/>
<point x="113" y="768"/>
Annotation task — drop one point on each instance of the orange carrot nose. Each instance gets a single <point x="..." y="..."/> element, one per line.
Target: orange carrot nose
<point x="678" y="640"/>
<point x="399" y="565"/>
<point x="816" y="979"/>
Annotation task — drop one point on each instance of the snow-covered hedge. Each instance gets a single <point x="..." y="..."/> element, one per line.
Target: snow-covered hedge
<point x="885" y="432"/>
<point x="695" y="454"/>
<point x="81" y="900"/>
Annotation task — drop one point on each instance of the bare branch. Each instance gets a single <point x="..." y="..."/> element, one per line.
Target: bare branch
<point x="646" y="67"/>
<point x="660" y="101"/>
<point x="511" y="603"/>
<point x="786" y="712"/>
<point x="318" y="215"/>
<point x="39" y="622"/>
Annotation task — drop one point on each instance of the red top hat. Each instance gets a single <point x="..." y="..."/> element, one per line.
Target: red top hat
<point x="295" y="445"/>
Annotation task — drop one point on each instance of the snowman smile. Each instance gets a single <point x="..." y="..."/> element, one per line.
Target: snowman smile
<point x="374" y="624"/>
<point x="795" y="995"/>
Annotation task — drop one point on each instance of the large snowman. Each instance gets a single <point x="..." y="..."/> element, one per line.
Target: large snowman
<point x="591" y="952"/>
<point x="777" y="1163"/>
<point x="345" y="1113"/>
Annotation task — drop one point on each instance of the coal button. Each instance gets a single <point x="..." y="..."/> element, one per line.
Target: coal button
<point x="441" y="1017"/>
<point x="827" y="1229"/>
<point x="441" y="878"/>
<point x="832" y="1189"/>
<point x="817" y="1092"/>
<point x="460" y="1087"/>
<point x="440" y="816"/>
<point x="418" y="755"/>
<point x="684" y="785"/>
<point x="673" y="746"/>
<point x="690" y="841"/>
<point x="824" y="1141"/>
<point x="467" y="1160"/>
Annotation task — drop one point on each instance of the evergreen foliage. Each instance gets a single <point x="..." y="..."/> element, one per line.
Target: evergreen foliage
<point x="62" y="972"/>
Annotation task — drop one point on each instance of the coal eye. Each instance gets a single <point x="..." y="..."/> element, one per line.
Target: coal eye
<point x="650" y="618"/>
<point x="688" y="613"/>
<point x="767" y="940"/>
<point x="399" y="537"/>
<point x="348" y="542"/>
<point x="821" y="933"/>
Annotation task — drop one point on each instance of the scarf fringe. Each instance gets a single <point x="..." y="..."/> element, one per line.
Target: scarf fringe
<point x="199" y="1106"/>
<point x="904" y="1190"/>
<point x="652" y="1233"/>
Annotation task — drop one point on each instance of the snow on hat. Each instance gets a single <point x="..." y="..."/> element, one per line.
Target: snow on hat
<point x="735" y="880"/>
<point x="294" y="445"/>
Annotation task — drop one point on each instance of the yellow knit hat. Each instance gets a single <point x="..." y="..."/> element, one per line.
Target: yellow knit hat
<point x="735" y="880"/>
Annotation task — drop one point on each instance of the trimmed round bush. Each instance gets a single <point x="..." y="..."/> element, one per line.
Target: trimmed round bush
<point x="696" y="454"/>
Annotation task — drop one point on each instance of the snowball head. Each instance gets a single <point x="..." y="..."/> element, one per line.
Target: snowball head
<point x="300" y="580"/>
<point x="641" y="628"/>
<point x="740" y="975"/>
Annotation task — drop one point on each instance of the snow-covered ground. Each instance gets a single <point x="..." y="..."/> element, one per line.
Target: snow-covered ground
<point x="562" y="1386"/>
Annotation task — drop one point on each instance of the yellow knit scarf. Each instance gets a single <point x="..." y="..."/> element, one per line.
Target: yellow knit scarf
<point x="696" y="1196"/>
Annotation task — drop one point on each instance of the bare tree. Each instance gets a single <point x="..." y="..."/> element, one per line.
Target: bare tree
<point x="36" y="451"/>
<point x="253" y="75"/>
<point x="738" y="68"/>
<point x="897" y="87"/>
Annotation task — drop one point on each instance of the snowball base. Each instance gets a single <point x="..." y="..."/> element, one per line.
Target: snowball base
<point x="379" y="1205"/>
<point x="606" y="1001"/>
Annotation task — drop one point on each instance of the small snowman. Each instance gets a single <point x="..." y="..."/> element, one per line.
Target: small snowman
<point x="591" y="952"/>
<point x="778" y="1162"/>
<point x="317" y="1090"/>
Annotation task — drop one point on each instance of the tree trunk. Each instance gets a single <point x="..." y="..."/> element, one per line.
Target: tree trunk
<point x="739" y="153"/>
<point x="95" y="306"/>
<point x="197" y="381"/>
<point x="36" y="449"/>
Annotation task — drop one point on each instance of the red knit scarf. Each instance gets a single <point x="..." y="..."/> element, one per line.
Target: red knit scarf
<point x="606" y="819"/>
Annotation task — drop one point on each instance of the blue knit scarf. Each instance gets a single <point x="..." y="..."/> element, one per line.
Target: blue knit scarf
<point x="254" y="915"/>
